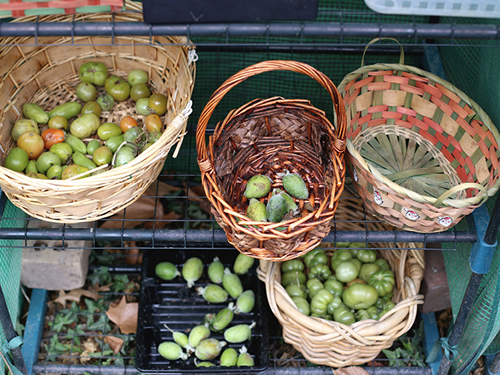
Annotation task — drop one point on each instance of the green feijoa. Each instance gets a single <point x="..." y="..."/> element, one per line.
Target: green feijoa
<point x="66" y="110"/>
<point x="276" y="208"/>
<point x="223" y="318"/>
<point x="293" y="277"/>
<point x="124" y="156"/>
<point x="47" y="160"/>
<point x="141" y="106"/>
<point x="171" y="351"/>
<point x="17" y="159"/>
<point x="216" y="271"/>
<point x="209" y="349"/>
<point x="242" y="264"/>
<point x="166" y="271"/>
<point x="108" y="130"/>
<point x="54" y="172"/>
<point x="22" y="126"/>
<point x="180" y="338"/>
<point x="76" y="144"/>
<point x="229" y="357"/>
<point x="295" y="186"/>
<point x="256" y="210"/>
<point x="92" y="107"/>
<point x="294" y="290"/>
<point x="63" y="150"/>
<point x="31" y="167"/>
<point x="232" y="283"/>
<point x="238" y="333"/>
<point x="102" y="155"/>
<point x="209" y="318"/>
<point x="244" y="358"/>
<point x="290" y="203"/>
<point x="198" y="334"/>
<point x="258" y="186"/>
<point x="92" y="146"/>
<point x="33" y="111"/>
<point x="192" y="270"/>
<point x="114" y="142"/>
<point x="245" y="302"/>
<point x="204" y="364"/>
<point x="83" y="161"/>
<point x="302" y="305"/>
<point x="213" y="293"/>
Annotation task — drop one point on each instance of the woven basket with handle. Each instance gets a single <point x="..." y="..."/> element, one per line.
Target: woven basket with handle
<point x="326" y="342"/>
<point x="267" y="136"/>
<point x="422" y="153"/>
<point x="47" y="74"/>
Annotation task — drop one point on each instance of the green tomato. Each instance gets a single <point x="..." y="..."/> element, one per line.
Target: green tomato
<point x="295" y="277"/>
<point x="359" y="296"/>
<point x="47" y="160"/>
<point x="382" y="263"/>
<point x="137" y="76"/>
<point x="93" y="72"/>
<point x="382" y="281"/>
<point x="141" y="106"/>
<point x="54" y="172"/>
<point x="356" y="262"/>
<point x="108" y="130"/>
<point x="361" y="315"/>
<point x="102" y="155"/>
<point x="367" y="270"/>
<point x="124" y="156"/>
<point x="292" y="265"/>
<point x="366" y="256"/>
<point x="344" y="316"/>
<point x="313" y="285"/>
<point x="372" y="312"/>
<point x="315" y="256"/>
<point x="333" y="305"/>
<point x="334" y="286"/>
<point x="17" y="159"/>
<point x="92" y="146"/>
<point x="92" y="107"/>
<point x="158" y="103"/>
<point x="85" y="125"/>
<point x="339" y="256"/>
<point x="346" y="271"/>
<point x="117" y="88"/>
<point x="294" y="290"/>
<point x="320" y="271"/>
<point x="106" y="101"/>
<point x="63" y="150"/>
<point x="86" y="92"/>
<point x="320" y="302"/>
<point x="139" y="91"/>
<point x="302" y="305"/>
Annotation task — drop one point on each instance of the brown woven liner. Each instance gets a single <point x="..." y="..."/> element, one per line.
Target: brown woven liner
<point x="329" y="343"/>
<point x="421" y="152"/>
<point x="266" y="137"/>
<point x="47" y="74"/>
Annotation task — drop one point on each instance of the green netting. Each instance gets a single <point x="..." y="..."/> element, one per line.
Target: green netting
<point x="10" y="266"/>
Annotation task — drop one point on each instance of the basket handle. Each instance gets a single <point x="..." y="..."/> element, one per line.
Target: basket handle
<point x="458" y="188"/>
<point x="261" y="67"/>
<point x="401" y="55"/>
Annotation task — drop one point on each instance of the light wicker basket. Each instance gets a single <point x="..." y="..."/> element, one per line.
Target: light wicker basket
<point x="267" y="136"/>
<point x="326" y="342"/>
<point x="44" y="70"/>
<point x="421" y="153"/>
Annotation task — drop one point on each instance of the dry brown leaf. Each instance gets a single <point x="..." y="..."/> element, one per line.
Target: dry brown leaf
<point x="115" y="343"/>
<point x="199" y="191"/>
<point x="352" y="370"/>
<point x="90" y="347"/>
<point x="132" y="256"/>
<point x="159" y="188"/>
<point x="97" y="288"/>
<point x="135" y="214"/>
<point x="75" y="296"/>
<point x="124" y="315"/>
<point x="167" y="219"/>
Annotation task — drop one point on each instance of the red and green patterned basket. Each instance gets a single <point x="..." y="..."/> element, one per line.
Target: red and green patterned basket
<point x="21" y="8"/>
<point x="421" y="153"/>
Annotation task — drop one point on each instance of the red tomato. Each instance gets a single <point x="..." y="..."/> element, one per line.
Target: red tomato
<point x="52" y="136"/>
<point x="126" y="123"/>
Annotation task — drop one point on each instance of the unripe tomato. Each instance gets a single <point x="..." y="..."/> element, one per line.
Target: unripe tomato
<point x="52" y="136"/>
<point x="32" y="143"/>
<point x="127" y="122"/>
<point x="153" y="123"/>
<point x="158" y="103"/>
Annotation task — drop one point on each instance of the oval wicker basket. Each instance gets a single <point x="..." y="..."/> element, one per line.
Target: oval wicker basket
<point x="266" y="137"/>
<point x="45" y="71"/>
<point x="422" y="154"/>
<point x="326" y="342"/>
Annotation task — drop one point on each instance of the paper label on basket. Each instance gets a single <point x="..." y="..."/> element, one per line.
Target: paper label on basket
<point x="445" y="221"/>
<point x="377" y="197"/>
<point x="410" y="214"/>
<point x="355" y="174"/>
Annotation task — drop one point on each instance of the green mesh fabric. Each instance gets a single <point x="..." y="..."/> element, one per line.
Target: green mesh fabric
<point x="10" y="266"/>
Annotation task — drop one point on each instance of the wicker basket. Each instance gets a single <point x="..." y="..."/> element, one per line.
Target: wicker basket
<point x="329" y="343"/>
<point x="266" y="137"/>
<point x="45" y="71"/>
<point x="421" y="152"/>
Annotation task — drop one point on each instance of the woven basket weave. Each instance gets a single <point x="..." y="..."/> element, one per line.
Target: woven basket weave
<point x="266" y="137"/>
<point x="421" y="152"/>
<point x="47" y="74"/>
<point x="326" y="342"/>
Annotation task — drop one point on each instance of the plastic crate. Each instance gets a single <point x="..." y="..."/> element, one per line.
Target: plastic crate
<point x="181" y="308"/>
<point x="456" y="8"/>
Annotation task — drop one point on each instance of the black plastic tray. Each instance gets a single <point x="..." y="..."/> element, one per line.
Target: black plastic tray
<point x="181" y="308"/>
<point x="207" y="11"/>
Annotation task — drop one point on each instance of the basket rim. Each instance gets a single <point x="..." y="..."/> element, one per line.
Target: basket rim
<point x="370" y="168"/>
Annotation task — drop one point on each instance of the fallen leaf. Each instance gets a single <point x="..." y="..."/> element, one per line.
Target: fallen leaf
<point x="159" y="188"/>
<point x="115" y="343"/>
<point x="97" y="288"/>
<point x="90" y="347"/>
<point x="124" y="315"/>
<point x="168" y="218"/>
<point x="75" y="296"/>
<point x="374" y="364"/>
<point x="352" y="370"/>
<point x="198" y="192"/>
<point x="136" y="214"/>
<point x="132" y="254"/>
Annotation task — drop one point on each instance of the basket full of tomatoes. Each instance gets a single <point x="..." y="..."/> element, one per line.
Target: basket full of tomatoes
<point x="87" y="128"/>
